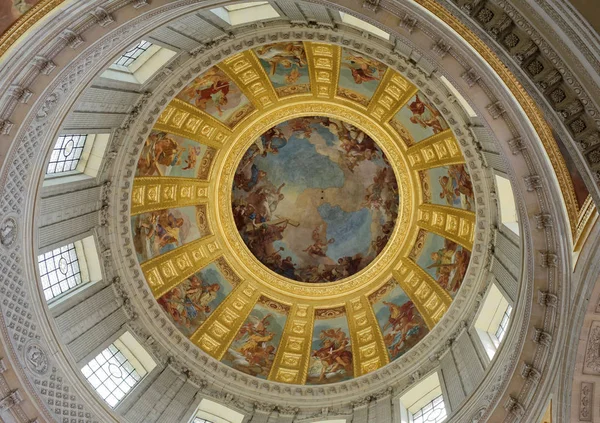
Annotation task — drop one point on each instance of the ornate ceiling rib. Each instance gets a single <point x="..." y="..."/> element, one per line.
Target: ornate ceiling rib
<point x="514" y="406"/>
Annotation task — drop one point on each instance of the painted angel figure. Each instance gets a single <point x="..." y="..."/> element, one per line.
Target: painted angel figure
<point x="319" y="247"/>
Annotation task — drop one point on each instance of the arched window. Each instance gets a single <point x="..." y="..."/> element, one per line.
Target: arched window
<point x="493" y="319"/>
<point x="424" y="403"/>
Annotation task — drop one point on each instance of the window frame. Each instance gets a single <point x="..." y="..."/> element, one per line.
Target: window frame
<point x="133" y="54"/>
<point x="53" y="254"/>
<point x="113" y="350"/>
<point x="74" y="163"/>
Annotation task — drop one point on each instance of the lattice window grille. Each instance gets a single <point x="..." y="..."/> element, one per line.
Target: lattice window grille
<point x="132" y="54"/>
<point x="432" y="412"/>
<point x="59" y="271"/>
<point x="111" y="375"/>
<point x="241" y="6"/>
<point x="501" y="331"/>
<point x="66" y="153"/>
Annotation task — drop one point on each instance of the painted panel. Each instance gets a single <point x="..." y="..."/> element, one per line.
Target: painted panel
<point x="401" y="323"/>
<point x="445" y="261"/>
<point x="331" y="356"/>
<point x="11" y="10"/>
<point x="359" y="76"/>
<point x="421" y="118"/>
<point x="315" y="200"/>
<point x="286" y="65"/>
<point x="254" y="348"/>
<point x="190" y="303"/>
<point x="171" y="155"/>
<point x="449" y="186"/>
<point x="216" y="94"/>
<point x="157" y="232"/>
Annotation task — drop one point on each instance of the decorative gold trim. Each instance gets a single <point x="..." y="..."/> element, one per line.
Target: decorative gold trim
<point x="247" y="72"/>
<point x="181" y="118"/>
<point x="168" y="270"/>
<point x="237" y="251"/>
<point x="324" y="68"/>
<point x="392" y="93"/>
<point x="368" y="348"/>
<point x="450" y="222"/>
<point x="429" y="297"/>
<point x="158" y="193"/>
<point x="587" y="216"/>
<point x="529" y="107"/>
<point x="218" y="331"/>
<point x="293" y="354"/>
<point x="26" y="21"/>
<point x="438" y="150"/>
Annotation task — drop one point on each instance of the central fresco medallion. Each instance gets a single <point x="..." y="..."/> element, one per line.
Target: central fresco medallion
<point x="315" y="199"/>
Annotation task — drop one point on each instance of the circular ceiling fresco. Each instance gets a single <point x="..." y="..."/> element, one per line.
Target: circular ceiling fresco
<point x="302" y="213"/>
<point x="315" y="199"/>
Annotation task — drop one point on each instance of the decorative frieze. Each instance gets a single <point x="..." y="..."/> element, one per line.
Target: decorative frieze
<point x="543" y="220"/>
<point x="586" y="401"/>
<point x="10" y="401"/>
<point x="372" y="5"/>
<point x="547" y="299"/>
<point x="548" y="259"/>
<point x="72" y="39"/>
<point x="471" y="77"/>
<point x="542" y="337"/>
<point x="409" y="23"/>
<point x="533" y="182"/>
<point x="103" y="18"/>
<point x="496" y="109"/>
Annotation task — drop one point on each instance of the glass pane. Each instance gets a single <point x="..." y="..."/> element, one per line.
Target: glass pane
<point x="132" y="54"/>
<point x="59" y="271"/>
<point x="111" y="375"/>
<point x="66" y="154"/>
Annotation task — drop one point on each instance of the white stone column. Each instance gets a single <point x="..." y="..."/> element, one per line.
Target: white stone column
<point x="143" y="410"/>
<point x="450" y="378"/>
<point x="468" y="364"/>
<point x="174" y="413"/>
<point x="261" y="413"/>
<point x="88" y="343"/>
<point x="383" y="407"/>
<point x="361" y="411"/>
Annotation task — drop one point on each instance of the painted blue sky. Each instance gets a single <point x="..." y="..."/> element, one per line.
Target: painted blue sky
<point x="351" y="230"/>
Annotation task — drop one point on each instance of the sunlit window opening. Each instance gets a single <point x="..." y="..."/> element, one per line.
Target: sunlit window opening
<point x="138" y="64"/>
<point x="432" y="412"/>
<point x="243" y="13"/>
<point x="506" y="201"/>
<point x="59" y="271"/>
<point x="75" y="157"/>
<point x="133" y="54"/>
<point x="424" y="403"/>
<point x="67" y="267"/>
<point x="364" y="26"/>
<point x="212" y="412"/>
<point x="461" y="100"/>
<point x="501" y="331"/>
<point x="492" y="320"/>
<point x="118" y="369"/>
<point x="66" y="153"/>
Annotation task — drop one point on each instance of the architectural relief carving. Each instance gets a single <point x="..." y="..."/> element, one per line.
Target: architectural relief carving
<point x="542" y="337"/>
<point x="8" y="231"/>
<point x="586" y="402"/>
<point x="10" y="401"/>
<point x="472" y="10"/>
<point x="591" y="364"/>
<point x="543" y="220"/>
<point x="547" y="299"/>
<point x="36" y="358"/>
